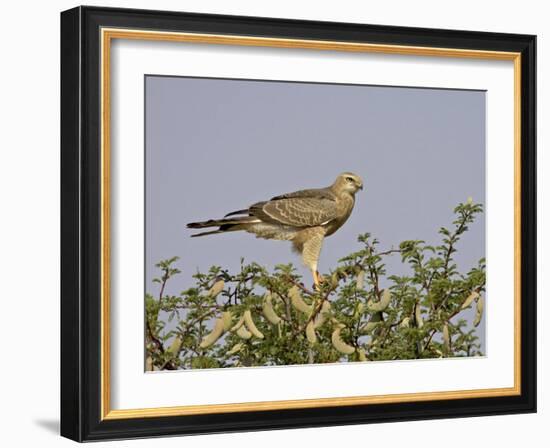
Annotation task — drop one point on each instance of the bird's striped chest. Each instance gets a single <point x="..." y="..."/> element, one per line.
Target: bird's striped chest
<point x="344" y="205"/>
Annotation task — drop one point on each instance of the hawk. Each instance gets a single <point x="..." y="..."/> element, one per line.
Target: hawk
<point x="303" y="217"/>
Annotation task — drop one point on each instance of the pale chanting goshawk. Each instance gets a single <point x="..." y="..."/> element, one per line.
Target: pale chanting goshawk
<point x="303" y="217"/>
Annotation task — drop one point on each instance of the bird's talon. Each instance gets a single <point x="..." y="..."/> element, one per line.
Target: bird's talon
<point x="317" y="280"/>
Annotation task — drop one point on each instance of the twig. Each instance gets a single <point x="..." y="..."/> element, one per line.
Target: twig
<point x="299" y="285"/>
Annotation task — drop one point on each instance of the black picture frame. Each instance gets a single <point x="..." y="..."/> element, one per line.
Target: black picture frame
<point x="81" y="224"/>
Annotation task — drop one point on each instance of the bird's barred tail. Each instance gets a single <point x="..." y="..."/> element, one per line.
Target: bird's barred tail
<point x="225" y="225"/>
<point x="210" y="232"/>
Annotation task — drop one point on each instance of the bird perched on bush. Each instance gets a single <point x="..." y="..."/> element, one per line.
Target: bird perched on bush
<point x="303" y="217"/>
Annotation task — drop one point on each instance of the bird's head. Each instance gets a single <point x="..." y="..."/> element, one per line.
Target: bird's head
<point x="348" y="182"/>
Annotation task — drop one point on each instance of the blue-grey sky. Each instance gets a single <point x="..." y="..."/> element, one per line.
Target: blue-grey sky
<point x="215" y="145"/>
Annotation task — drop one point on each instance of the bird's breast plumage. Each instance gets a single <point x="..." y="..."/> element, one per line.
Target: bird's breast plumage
<point x="345" y="207"/>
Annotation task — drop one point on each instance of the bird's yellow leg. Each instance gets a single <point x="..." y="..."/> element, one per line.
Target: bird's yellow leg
<point x="320" y="278"/>
<point x="317" y="278"/>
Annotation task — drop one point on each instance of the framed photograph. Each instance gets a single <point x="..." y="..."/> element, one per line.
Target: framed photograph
<point x="273" y="223"/>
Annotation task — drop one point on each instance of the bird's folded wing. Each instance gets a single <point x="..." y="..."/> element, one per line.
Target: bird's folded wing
<point x="296" y="211"/>
<point x="316" y="193"/>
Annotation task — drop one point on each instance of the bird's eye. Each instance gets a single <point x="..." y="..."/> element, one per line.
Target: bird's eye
<point x="349" y="179"/>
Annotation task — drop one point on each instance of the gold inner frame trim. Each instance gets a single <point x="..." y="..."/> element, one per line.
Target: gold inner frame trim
<point x="107" y="35"/>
